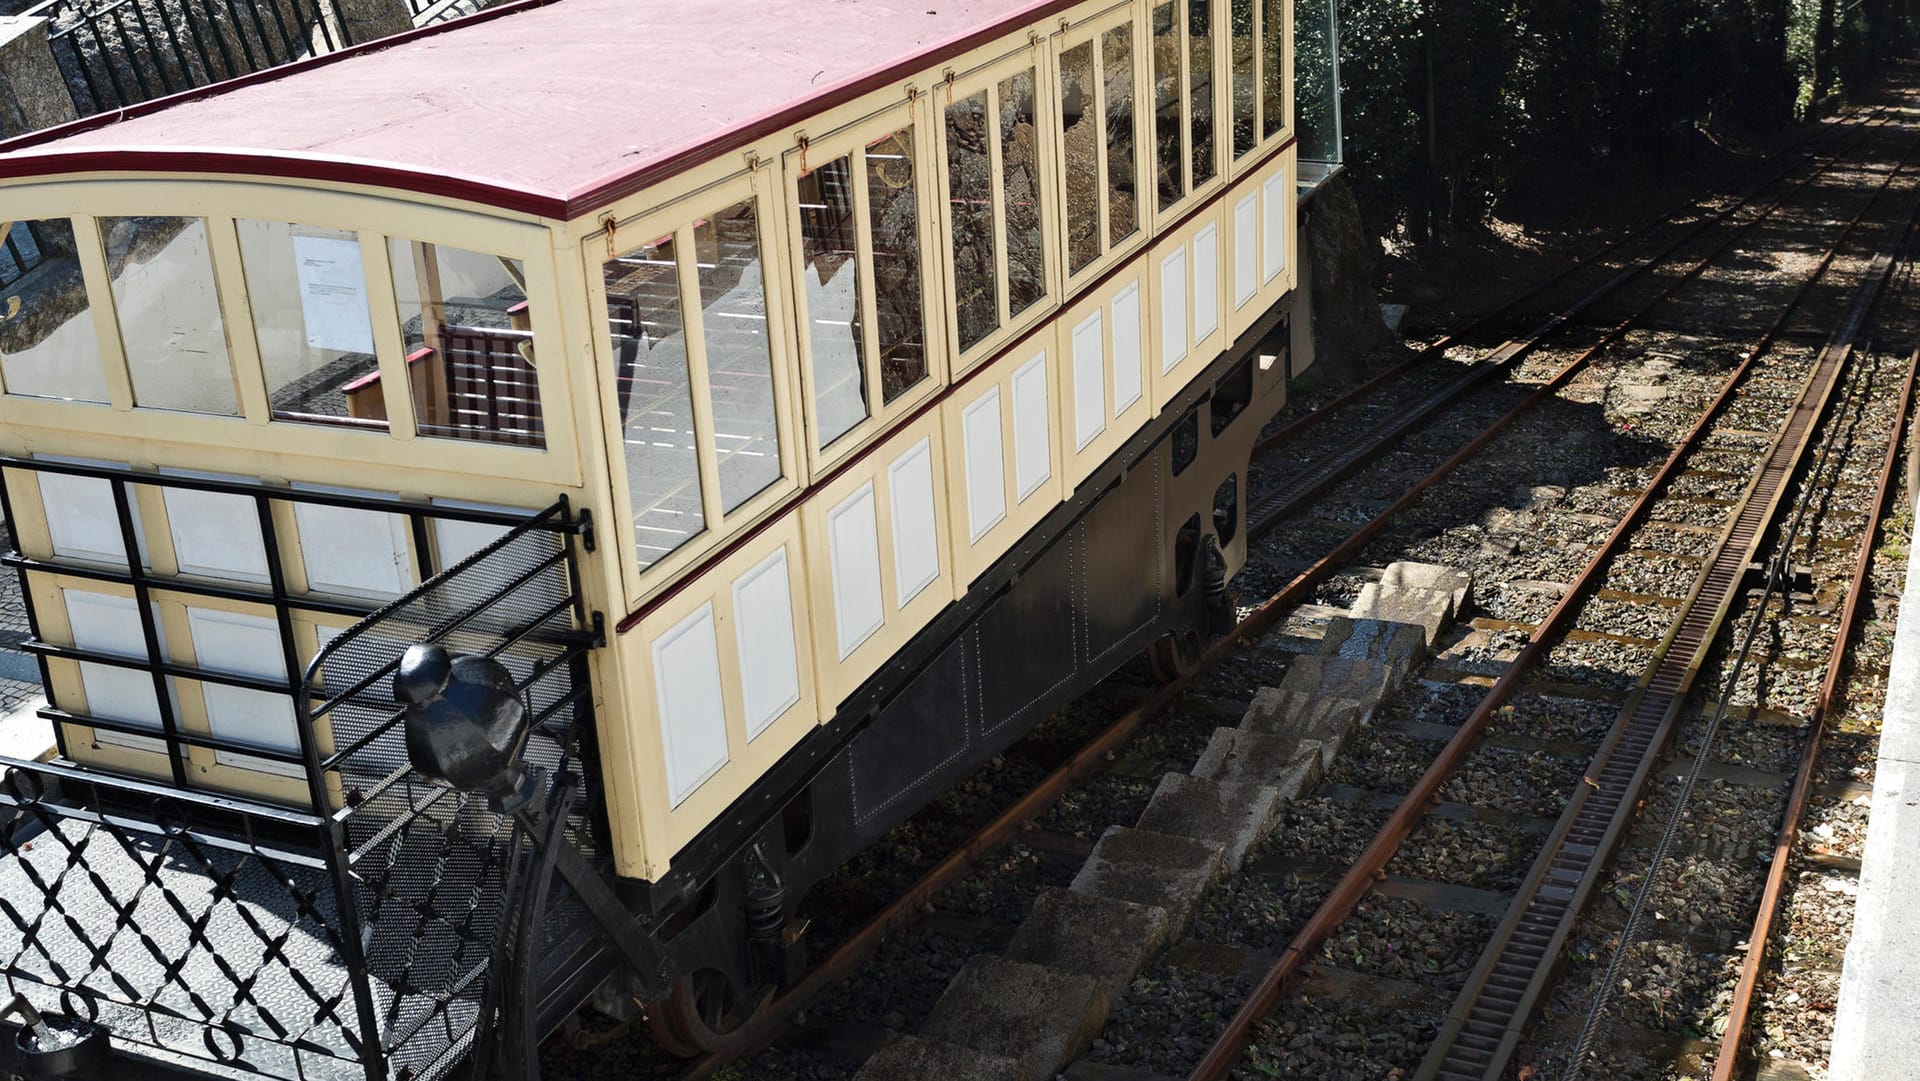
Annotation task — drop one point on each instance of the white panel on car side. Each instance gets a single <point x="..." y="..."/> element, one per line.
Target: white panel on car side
<point x="1275" y="199"/>
<point x="763" y="631"/>
<point x="246" y="645"/>
<point x="985" y="463"/>
<point x="216" y="535"/>
<point x="1173" y="309"/>
<point x="1126" y="348"/>
<point x="361" y="553"/>
<point x="1032" y="434"/>
<point x="1206" y="283"/>
<point x="693" y="714"/>
<point x="1246" y="250"/>
<point x="853" y="538"/>
<point x="1089" y="381"/>
<point x="916" y="536"/>
<point x="80" y="516"/>
<point x="104" y="623"/>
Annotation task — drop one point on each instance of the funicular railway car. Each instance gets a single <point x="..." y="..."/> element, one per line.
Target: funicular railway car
<point x="508" y="509"/>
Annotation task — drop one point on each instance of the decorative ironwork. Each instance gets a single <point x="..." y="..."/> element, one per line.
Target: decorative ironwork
<point x="390" y="928"/>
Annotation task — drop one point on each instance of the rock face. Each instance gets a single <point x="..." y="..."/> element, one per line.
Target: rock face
<point x="1349" y="340"/>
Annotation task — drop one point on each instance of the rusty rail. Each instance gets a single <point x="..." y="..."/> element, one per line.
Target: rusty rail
<point x="1734" y="1037"/>
<point x="1359" y="879"/>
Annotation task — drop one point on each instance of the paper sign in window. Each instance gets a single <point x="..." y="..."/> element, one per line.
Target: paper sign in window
<point x="333" y="293"/>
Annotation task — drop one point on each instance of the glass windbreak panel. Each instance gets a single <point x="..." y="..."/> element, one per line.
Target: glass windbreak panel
<point x="1246" y="88"/>
<point x="48" y="345"/>
<point x="1200" y="83"/>
<point x="830" y="274"/>
<point x="170" y="321"/>
<point x="655" y="394"/>
<point x="970" y="190"/>
<point x="1080" y="128"/>
<point x="893" y="222"/>
<point x="1273" y="65"/>
<point x="1123" y="189"/>
<point x="733" y="306"/>
<point x="1020" y="170"/>
<point x="469" y="343"/>
<point x="1316" y="77"/>
<point x="19" y="251"/>
<point x="308" y="292"/>
<point x="1169" y="140"/>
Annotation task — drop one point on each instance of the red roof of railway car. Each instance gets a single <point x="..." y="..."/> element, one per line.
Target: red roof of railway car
<point x="553" y="107"/>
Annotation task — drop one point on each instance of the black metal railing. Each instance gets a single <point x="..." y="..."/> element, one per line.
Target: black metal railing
<point x="116" y="53"/>
<point x="369" y="933"/>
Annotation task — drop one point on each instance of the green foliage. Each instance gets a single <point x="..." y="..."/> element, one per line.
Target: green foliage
<point x="1452" y="104"/>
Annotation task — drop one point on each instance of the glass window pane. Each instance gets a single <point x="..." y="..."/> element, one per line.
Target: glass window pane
<point x="469" y="342"/>
<point x="308" y="293"/>
<point x="1273" y="66"/>
<point x="970" y="187"/>
<point x="831" y="278"/>
<point x="169" y="311"/>
<point x="655" y="394"/>
<point x="1246" y="92"/>
<point x="1170" y="159"/>
<point x="1316" y="82"/>
<point x="1200" y="82"/>
<point x="1081" y="127"/>
<point x="733" y="303"/>
<point x="1020" y="169"/>
<point x="893" y="218"/>
<point x="1123" y="190"/>
<point x="48" y="346"/>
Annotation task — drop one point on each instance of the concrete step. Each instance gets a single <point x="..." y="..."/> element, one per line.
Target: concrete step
<point x="1428" y="609"/>
<point x="1109" y="939"/>
<point x="1234" y="815"/>
<point x="1041" y="1017"/>
<point x="1358" y="680"/>
<point x="911" y="1058"/>
<point x="1151" y="868"/>
<point x="1399" y="646"/>
<point x="1295" y="715"/>
<point x="1456" y="584"/>
<point x="1289" y="766"/>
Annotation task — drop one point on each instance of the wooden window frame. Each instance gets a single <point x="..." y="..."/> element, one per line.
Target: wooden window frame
<point x="985" y="77"/>
<point x="851" y="140"/>
<point x="1223" y="171"/>
<point x="677" y="218"/>
<point x="1093" y="28"/>
<point x="1262" y="145"/>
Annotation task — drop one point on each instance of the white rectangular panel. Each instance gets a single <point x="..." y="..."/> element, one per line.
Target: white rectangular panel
<point x="693" y="715"/>
<point x="1126" y="348"/>
<point x="1032" y="434"/>
<point x="1276" y="197"/>
<point x="245" y="645"/>
<point x="454" y="541"/>
<point x="854" y="541"/>
<point x="215" y="535"/>
<point x="360" y="553"/>
<point x="1173" y="309"/>
<point x="1089" y="381"/>
<point x="1206" y="283"/>
<point x="985" y="464"/>
<point x="916" y="531"/>
<point x="1246" y="251"/>
<point x="763" y="630"/>
<point x="104" y="623"/>
<point x="81" y="518"/>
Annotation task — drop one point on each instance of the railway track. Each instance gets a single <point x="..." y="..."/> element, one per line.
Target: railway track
<point x="1096" y="757"/>
<point x="1486" y="1024"/>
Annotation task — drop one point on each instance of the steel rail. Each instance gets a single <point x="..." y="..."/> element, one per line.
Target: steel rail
<point x="1334" y="910"/>
<point x="1091" y="758"/>
<point x="1323" y="474"/>
<point x="1484" y="1028"/>
<point x="1733" y="1038"/>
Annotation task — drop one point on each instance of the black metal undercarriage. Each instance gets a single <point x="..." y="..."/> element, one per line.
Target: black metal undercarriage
<point x="412" y="930"/>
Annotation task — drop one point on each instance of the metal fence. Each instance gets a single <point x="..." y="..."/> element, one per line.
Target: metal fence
<point x="115" y="53"/>
<point x="385" y="931"/>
